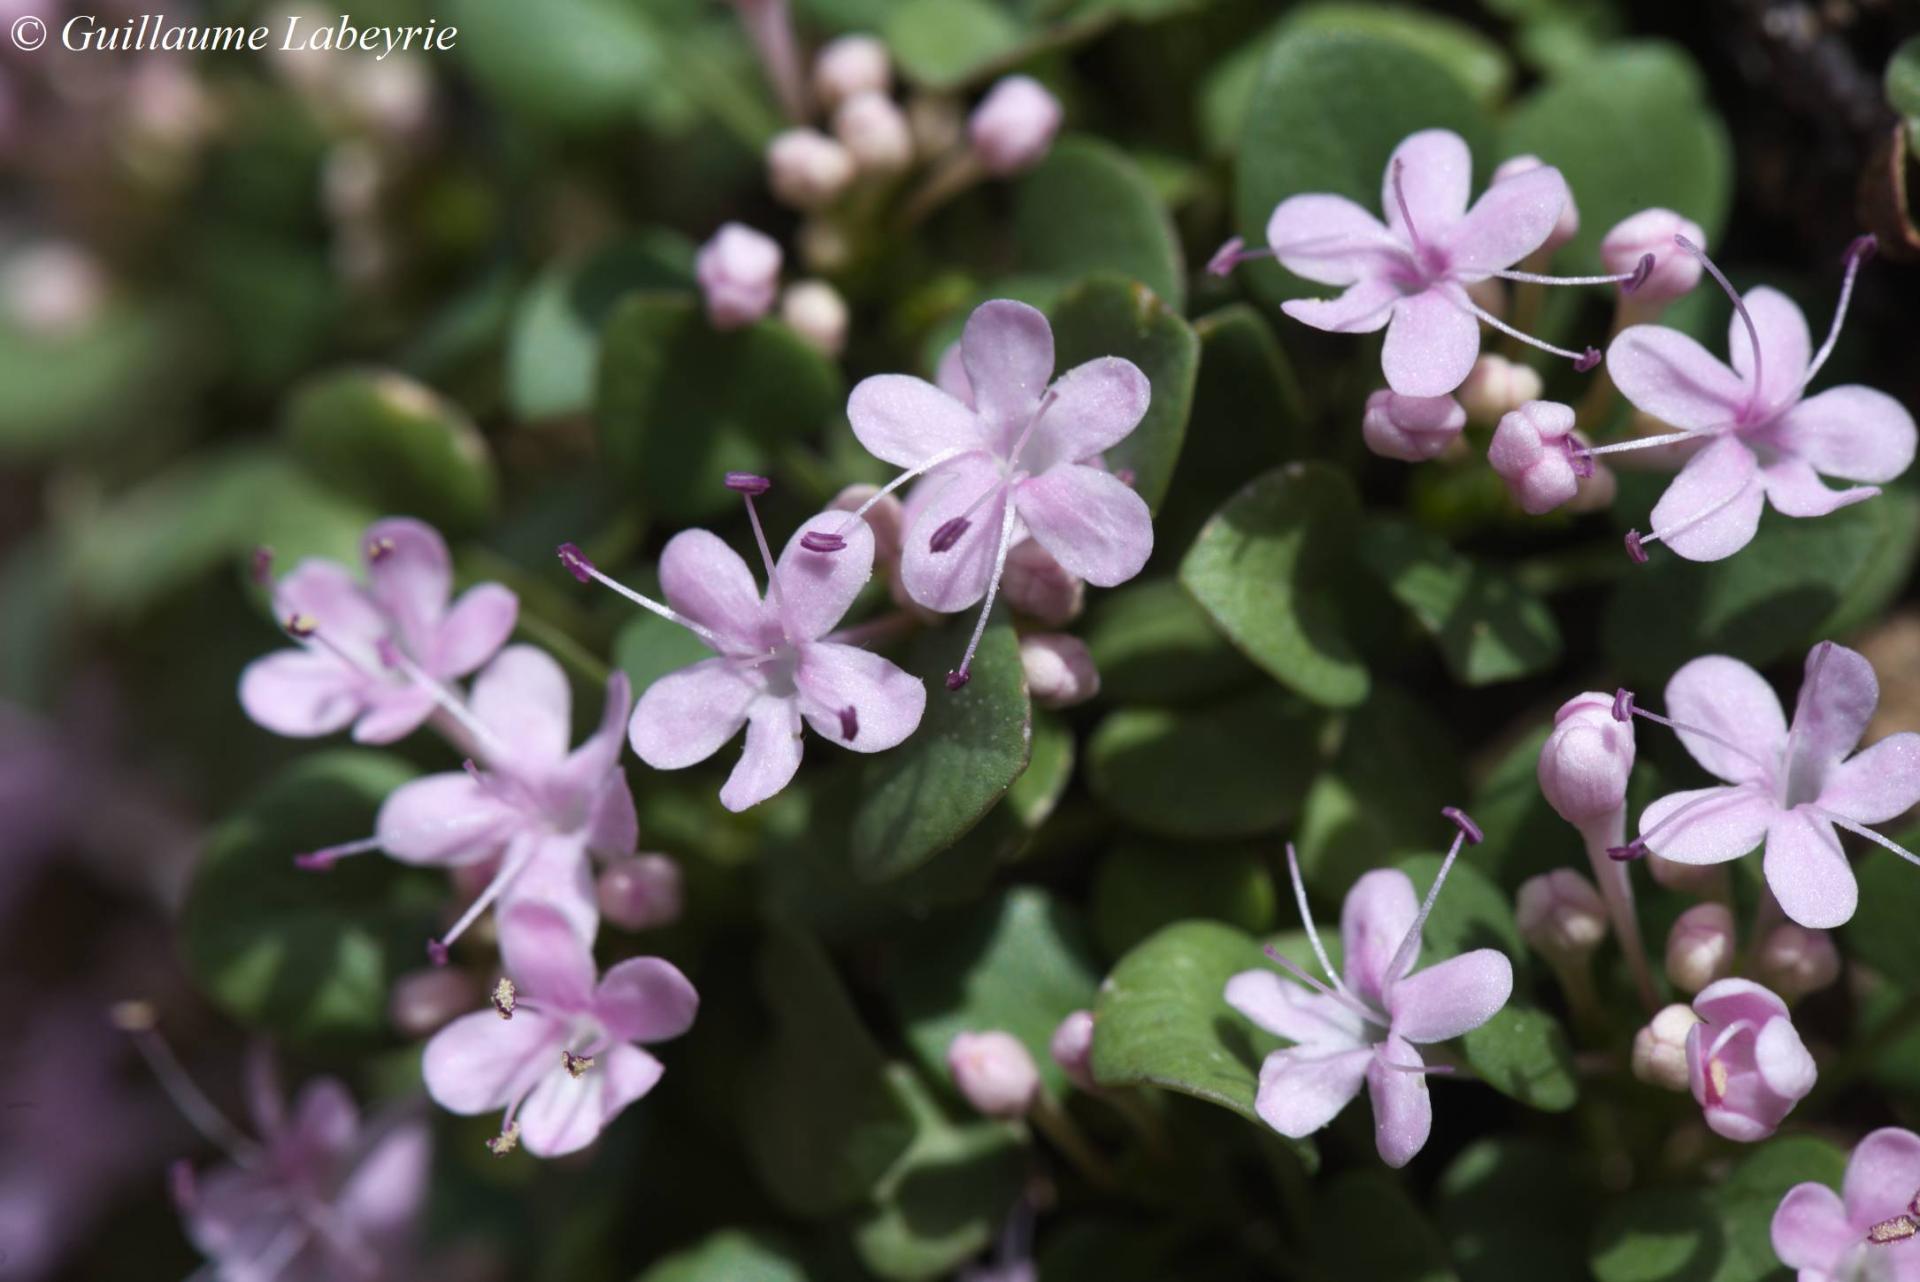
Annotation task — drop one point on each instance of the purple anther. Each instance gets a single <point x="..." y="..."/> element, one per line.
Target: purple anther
<point x="1634" y="550"/>
<point x="1126" y="476"/>
<point x="822" y="541"/>
<point x="262" y="565"/>
<point x="1226" y="258"/>
<point x="1628" y="853"/>
<point x="849" y="723"/>
<point x="1464" y="822"/>
<point x="576" y="562"/>
<point x="315" y="861"/>
<point x="958" y="679"/>
<point x="1862" y="249"/>
<point x="1587" y="360"/>
<point x="1623" y="704"/>
<point x="1641" y="270"/>
<point x="436" y="952"/>
<point x="747" y="483"/>
<point x="1578" y="458"/>
<point x="379" y="550"/>
<point x="948" y="534"/>
<point x="183" y="1186"/>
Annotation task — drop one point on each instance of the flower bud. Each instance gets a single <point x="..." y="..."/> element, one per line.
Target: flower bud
<point x="815" y="311"/>
<point x="1038" y="586"/>
<point x="1700" y="947"/>
<point x="421" y="1002"/>
<point x="1561" y="915"/>
<point x="1495" y="387"/>
<point x="1072" y="1048"/>
<point x="52" y="289"/>
<point x="994" y="1072"/>
<point x="1651" y="231"/>
<point x="1795" y="961"/>
<point x="739" y="272"/>
<point x="875" y="133"/>
<point x="1585" y="761"/>
<point x="641" y="893"/>
<point x="849" y="66"/>
<point x="1569" y="224"/>
<point x="1660" y="1049"/>
<point x="1013" y="127"/>
<point x="1412" y="429"/>
<point x="1698" y="880"/>
<point x="1538" y="454"/>
<point x="1746" y="1064"/>
<point x="1060" y="671"/>
<point x="807" y="169"/>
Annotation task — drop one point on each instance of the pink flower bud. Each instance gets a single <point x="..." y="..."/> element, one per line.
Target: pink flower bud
<point x="739" y="273"/>
<point x="815" y="311"/>
<point x="1569" y="225"/>
<point x="1795" y="961"/>
<point x="995" y="1073"/>
<point x="807" y="169"/>
<point x="1497" y="386"/>
<point x="1651" y="231"/>
<point x="423" y="1001"/>
<point x="641" y="893"/>
<point x="1412" y="429"/>
<point x="1060" y="671"/>
<point x="875" y="133"/>
<point x="1038" y="586"/>
<point x="849" y="66"/>
<point x="1700" y="947"/>
<point x="1561" y="915"/>
<point x="1539" y="455"/>
<point x="1072" y="1048"/>
<point x="1660" y="1049"/>
<point x="1686" y="879"/>
<point x="1013" y="127"/>
<point x="53" y="289"/>
<point x="1585" y="761"/>
<point x="1746" y="1064"/>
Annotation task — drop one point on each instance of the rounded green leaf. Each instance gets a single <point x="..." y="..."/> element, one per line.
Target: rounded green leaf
<point x="1517" y="1209"/>
<point x="1141" y="888"/>
<point x="730" y="1255"/>
<point x="1153" y="644"/>
<point x="944" y="44"/>
<point x="1903" y="78"/>
<point x="1088" y="209"/>
<point x="1881" y="931"/>
<point x="1348" y="1220"/>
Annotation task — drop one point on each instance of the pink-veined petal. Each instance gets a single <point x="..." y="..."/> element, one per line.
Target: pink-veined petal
<point x="565" y="1113"/>
<point x="1511" y="219"/>
<point x="645" y="999"/>
<point x="1286" y="1009"/>
<point x="1808" y="872"/>
<point x="1301" y="1091"/>
<point x="957" y="577"/>
<point x="1785" y="346"/>
<point x="771" y="755"/>
<point x="410" y="577"/>
<point x="1451" y="997"/>
<point x="1330" y="240"/>
<point x="1667" y="374"/>
<point x="1838" y="694"/>
<point x="1712" y="508"/>
<point x="1729" y="1001"/>
<point x="1810" y="1229"/>
<point x="1402" y="1109"/>
<point x="707" y="581"/>
<point x="1718" y="824"/>
<point x="1007" y="348"/>
<point x="1095" y="406"/>
<point x="1435" y="175"/>
<point x="1364" y="308"/>
<point x="1881" y="1174"/>
<point x="1431" y="345"/>
<point x="1880" y="783"/>
<point x="688" y="715"/>
<point x="301" y="693"/>
<point x="523" y="697"/>
<point x="905" y="420"/>
<point x="546" y="957"/>
<point x="1095" y="525"/>
<point x="473" y="630"/>
<point x="843" y="687"/>
<point x="443" y="819"/>
<point x="1733" y="702"/>
<point x="1379" y="911"/>
<point x="1854" y="433"/>
<point x="817" y="588"/>
<point x="479" y="1062"/>
<point x="1795" y="489"/>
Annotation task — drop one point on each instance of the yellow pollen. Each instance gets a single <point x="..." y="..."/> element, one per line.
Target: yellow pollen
<point x="1717" y="1078"/>
<point x="1897" y="1229"/>
<point x="576" y="1064"/>
<point x="503" y="997"/>
<point x="506" y="1141"/>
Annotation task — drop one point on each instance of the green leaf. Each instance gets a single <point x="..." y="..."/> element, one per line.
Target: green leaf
<point x="1903" y="78"/>
<point x="728" y="1256"/>
<point x="1490" y="629"/>
<point x="1516" y="1209"/>
<point x="1881" y="931"/>
<point x="1020" y="963"/>
<point x="681" y="403"/>
<point x="1631" y="128"/>
<point x="1109" y="315"/>
<point x="1266" y="568"/>
<point x="1350" y="1227"/>
<point x="1141" y="888"/>
<point x="1800" y="581"/>
<point x="820" y="1119"/>
<point x="923" y="796"/>
<point x="1325" y="117"/>
<point x="648" y="647"/>
<point x="1089" y="209"/>
<point x="944" y="44"/>
<point x="305" y="955"/>
<point x="58" y="391"/>
<point x="1153" y="644"/>
<point x="394" y="445"/>
<point x="1479" y="64"/>
<point x="1250" y="756"/>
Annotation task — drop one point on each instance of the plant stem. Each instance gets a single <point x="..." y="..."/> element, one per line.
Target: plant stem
<point x="1617" y="890"/>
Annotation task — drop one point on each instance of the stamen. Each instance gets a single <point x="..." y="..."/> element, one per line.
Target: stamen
<point x="1400" y="198"/>
<point x="506" y="1141"/>
<point x="1306" y="918"/>
<point x="746" y="483"/>
<point x="515" y="864"/>
<point x="379" y="550"/>
<point x="822" y="541"/>
<point x="1642" y="443"/>
<point x="1638" y="847"/>
<point x="948" y="534"/>
<point x="576" y="1065"/>
<point x="1739" y="305"/>
<point x="1862" y="249"/>
<point x="141" y="1022"/>
<point x="1464" y="822"/>
<point x="1897" y="1229"/>
<point x="849" y="723"/>
<point x="1635" y="849"/>
<point x="743" y="484"/>
<point x="301" y="626"/>
<point x="393" y="657"/>
<point x="1426" y="1069"/>
<point x="503" y="997"/>
<point x="261" y="567"/>
<point x="1628" y="281"/>
<point x="1582" y="361"/>
<point x="1623" y="700"/>
<point x="584" y="570"/>
<point x="964" y="673"/>
<point x="1634" y="548"/>
<point x="1344" y="999"/>
<point x="323" y="859"/>
<point x="1026" y="433"/>
<point x="1861" y="830"/>
<point x="1403" y="956"/>
<point x="1231" y="254"/>
<point x="1636" y="540"/>
<point x="1578" y="458"/>
<point x="833" y="541"/>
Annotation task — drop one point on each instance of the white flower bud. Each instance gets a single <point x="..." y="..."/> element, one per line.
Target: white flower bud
<point x="875" y="132"/>
<point x="851" y="65"/>
<point x="1496" y="387"/>
<point x="1013" y="127"/>
<point x="739" y="273"/>
<point x="1412" y="429"/>
<point x="1060" y="669"/>
<point x="1651" y="231"/>
<point x="1660" y="1049"/>
<point x="995" y="1073"/>
<point x="1561" y="915"/>
<point x="815" y="311"/>
<point x="1700" y="947"/>
<point x="807" y="169"/>
<point x="1072" y="1048"/>
<point x="1795" y="961"/>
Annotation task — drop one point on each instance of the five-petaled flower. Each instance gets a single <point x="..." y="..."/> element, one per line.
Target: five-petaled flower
<point x="1869" y="1229"/>
<point x="1786" y="785"/>
<point x="565" y="1063"/>
<point x="1746" y="1064"/>
<point x="1364" y="1029"/>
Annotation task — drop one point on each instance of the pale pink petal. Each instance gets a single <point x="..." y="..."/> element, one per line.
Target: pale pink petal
<point x="1301" y="1091"/>
<point x="1095" y="525"/>
<point x="951" y="376"/>
<point x="1795" y="489"/>
<point x="686" y="716"/>
<point x="956" y="578"/>
<point x="410" y="576"/>
<point x="1718" y="824"/>
<point x="771" y="756"/>
<point x="645" y="999"/>
<point x="1808" y="872"/>
<point x="1784" y="1065"/>
<point x="1450" y="997"/>
<point x="1435" y="172"/>
<point x="1007" y="348"/>
<point x="1670" y="376"/>
<point x="1879" y="784"/>
<point x="326" y="593"/>
<point x="1881" y="1175"/>
<point x="325" y="1121"/>
<point x="707" y="581"/>
<point x="1838" y="694"/>
<point x="1364" y="308"/>
<point x="817" y="588"/>
<point x="1402" y="1109"/>
<point x="1431" y="345"/>
<point x="393" y="712"/>
<point x="479" y="1062"/>
<point x="1851" y="432"/>
<point x="1094" y="407"/>
<point x="1330" y="240"/>
<point x="388" y="1186"/>
<point x="1511" y="219"/>
<point x="565" y="1113"/>
<point x="444" y="819"/>
<point x="1810" y="1229"/>
<point x="905" y="421"/>
<point x="1733" y="702"/>
<point x="524" y="699"/>
<point x="613" y="825"/>
<point x="1286" y="1009"/>
<point x="557" y="874"/>
<point x="1380" y="910"/>
<point x="546" y="957"/>
<point x="1785" y="346"/>
<point x="301" y="693"/>
<point x="1729" y="1001"/>
<point x="1712" y="508"/>
<point x="588" y="765"/>
<point x="474" y="630"/>
<point x="844" y="688"/>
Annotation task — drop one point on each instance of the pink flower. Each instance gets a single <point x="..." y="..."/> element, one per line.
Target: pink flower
<point x="371" y="655"/>
<point x="1786" y="786"/>
<point x="1745" y="1063"/>
<point x="777" y="663"/>
<point x="1541" y="458"/>
<point x="739" y="274"/>
<point x="1758" y="440"/>
<point x="558" y="1055"/>
<point x="1008" y="451"/>
<point x="995" y="1072"/>
<point x="1867" y="1230"/>
<point x="1014" y="125"/>
<point x="1364" y="1029"/>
